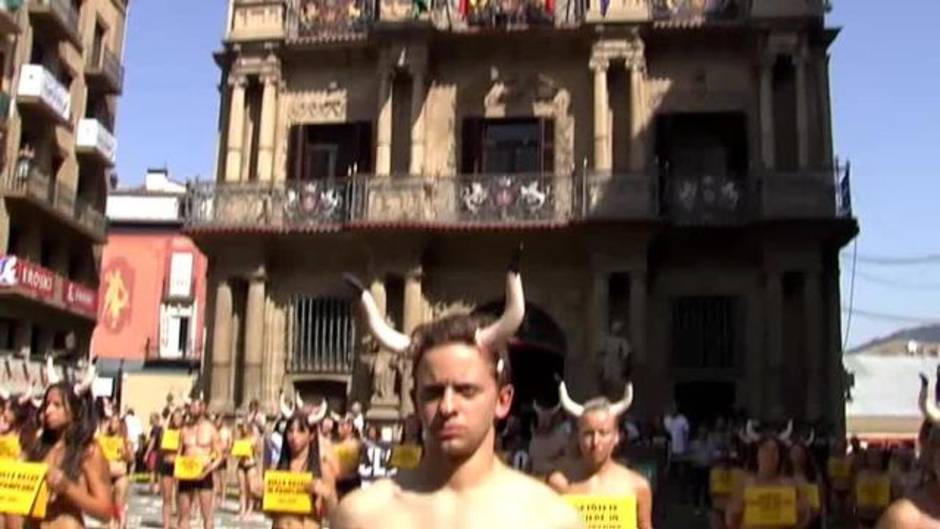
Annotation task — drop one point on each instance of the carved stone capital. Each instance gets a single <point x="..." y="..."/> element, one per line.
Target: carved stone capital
<point x="599" y="64"/>
<point x="239" y="80"/>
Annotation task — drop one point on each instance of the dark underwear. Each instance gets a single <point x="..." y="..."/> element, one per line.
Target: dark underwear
<point x="205" y="483"/>
<point x="166" y="469"/>
<point x="346" y="485"/>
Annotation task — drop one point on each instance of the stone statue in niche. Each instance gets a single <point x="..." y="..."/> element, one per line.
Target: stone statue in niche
<point x="405" y="367"/>
<point x="615" y="360"/>
<point x="382" y="371"/>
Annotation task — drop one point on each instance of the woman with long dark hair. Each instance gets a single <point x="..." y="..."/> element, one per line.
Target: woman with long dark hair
<point x="302" y="453"/>
<point x="807" y="476"/>
<point x="769" y="468"/>
<point x="118" y="462"/>
<point x="166" y="462"/>
<point x="78" y="471"/>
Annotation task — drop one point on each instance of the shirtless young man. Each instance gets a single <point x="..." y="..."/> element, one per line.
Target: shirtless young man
<point x="461" y="389"/>
<point x="199" y="438"/>
<point x="595" y="472"/>
<point x="921" y="509"/>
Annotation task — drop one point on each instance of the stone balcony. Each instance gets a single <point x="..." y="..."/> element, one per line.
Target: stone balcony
<point x="697" y="12"/>
<point x="28" y="184"/>
<point x="96" y="141"/>
<point x="518" y="200"/>
<point x="40" y="89"/>
<point x="257" y="20"/>
<point x="104" y="71"/>
<point x="57" y="17"/>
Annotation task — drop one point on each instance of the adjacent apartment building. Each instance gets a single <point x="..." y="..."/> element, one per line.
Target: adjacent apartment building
<point x="62" y="76"/>
<point x="668" y="165"/>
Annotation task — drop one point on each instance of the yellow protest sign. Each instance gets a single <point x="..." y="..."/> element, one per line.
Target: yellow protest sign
<point x="872" y="490"/>
<point x="737" y="478"/>
<point x="838" y="467"/>
<point x="720" y="482"/>
<point x="405" y="456"/>
<point x="243" y="448"/>
<point x="811" y="491"/>
<point x="348" y="457"/>
<point x="287" y="492"/>
<point x="23" y="488"/>
<point x="188" y="468"/>
<point x="10" y="447"/>
<point x="170" y="441"/>
<point x="773" y="506"/>
<point x="605" y="512"/>
<point x="112" y="447"/>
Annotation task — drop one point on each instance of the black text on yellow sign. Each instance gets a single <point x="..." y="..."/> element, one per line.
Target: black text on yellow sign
<point x="873" y="491"/>
<point x="605" y="512"/>
<point x="23" y="488"/>
<point x="287" y="492"/>
<point x="770" y="506"/>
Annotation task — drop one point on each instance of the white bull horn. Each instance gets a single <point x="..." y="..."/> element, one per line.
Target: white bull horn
<point x="387" y="337"/>
<point x="286" y="410"/>
<point x="751" y="432"/>
<point x="618" y="408"/>
<point x="319" y="414"/>
<point x="298" y="402"/>
<point x="497" y="334"/>
<point x="786" y="433"/>
<point x="85" y="384"/>
<point x="51" y="376"/>
<point x="4" y="394"/>
<point x="928" y="405"/>
<point x="573" y="408"/>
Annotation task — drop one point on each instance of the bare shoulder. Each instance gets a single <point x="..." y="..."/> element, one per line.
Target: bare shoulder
<point x="635" y="479"/>
<point x="901" y="514"/>
<point x="361" y="507"/>
<point x="545" y="505"/>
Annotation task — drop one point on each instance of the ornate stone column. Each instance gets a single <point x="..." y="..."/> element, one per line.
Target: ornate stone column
<point x="638" y="308"/>
<point x="802" y="114"/>
<point x="221" y="374"/>
<point x="383" y="135"/>
<point x="254" y="336"/>
<point x="773" y="292"/>
<point x="268" y="122"/>
<point x="768" y="141"/>
<point x="413" y="313"/>
<point x="812" y="308"/>
<point x="636" y="65"/>
<point x="418" y="95"/>
<point x="236" y="128"/>
<point x="602" y="161"/>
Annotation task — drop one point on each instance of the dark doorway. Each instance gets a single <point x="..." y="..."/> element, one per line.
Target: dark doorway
<point x="705" y="401"/>
<point x="314" y="390"/>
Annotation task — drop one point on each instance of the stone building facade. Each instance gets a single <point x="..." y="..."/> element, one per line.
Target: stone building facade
<point x="61" y="80"/>
<point x="668" y="166"/>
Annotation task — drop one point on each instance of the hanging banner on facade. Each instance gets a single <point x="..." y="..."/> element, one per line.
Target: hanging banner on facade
<point x="287" y="492"/>
<point x="81" y="299"/>
<point x="605" y="512"/>
<point x="27" y="277"/>
<point x="405" y="457"/>
<point x="771" y="506"/>
<point x="23" y="489"/>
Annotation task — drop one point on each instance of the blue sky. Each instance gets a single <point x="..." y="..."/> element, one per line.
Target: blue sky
<point x="886" y="105"/>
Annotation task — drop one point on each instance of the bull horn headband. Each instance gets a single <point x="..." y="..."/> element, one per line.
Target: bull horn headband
<point x="928" y="405"/>
<point x="577" y="410"/>
<point x="753" y="436"/>
<point x="493" y="336"/>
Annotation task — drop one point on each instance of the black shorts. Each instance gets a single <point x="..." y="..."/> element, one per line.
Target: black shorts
<point x="166" y="469"/>
<point x="223" y="465"/>
<point x="196" y="485"/>
<point x="346" y="485"/>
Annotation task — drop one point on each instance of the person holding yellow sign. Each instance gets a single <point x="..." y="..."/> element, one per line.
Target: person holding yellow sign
<point x="871" y="493"/>
<point x="768" y="497"/>
<point x="595" y="479"/>
<point x="245" y="450"/>
<point x="307" y="507"/>
<point x="169" y="448"/>
<point x="200" y="456"/>
<point x="462" y="388"/>
<point x="840" y="470"/>
<point x="921" y="508"/>
<point x="77" y="476"/>
<point x="808" y="478"/>
<point x="117" y="450"/>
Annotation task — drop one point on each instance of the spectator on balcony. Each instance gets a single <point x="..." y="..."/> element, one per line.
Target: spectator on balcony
<point x="24" y="161"/>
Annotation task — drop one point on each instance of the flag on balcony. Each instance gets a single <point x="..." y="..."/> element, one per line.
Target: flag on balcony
<point x="845" y="189"/>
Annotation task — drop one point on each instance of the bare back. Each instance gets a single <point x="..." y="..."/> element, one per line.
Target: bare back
<point x="506" y="500"/>
<point x="920" y="511"/>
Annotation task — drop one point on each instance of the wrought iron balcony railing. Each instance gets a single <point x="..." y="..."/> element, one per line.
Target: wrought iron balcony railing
<point x="697" y="9"/>
<point x="509" y="13"/>
<point x="525" y="200"/>
<point x="806" y="194"/>
<point x="329" y="20"/>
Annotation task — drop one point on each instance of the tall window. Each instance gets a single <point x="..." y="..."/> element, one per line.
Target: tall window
<point x="322" y="335"/>
<point x="705" y="331"/>
<point x="330" y="151"/>
<point x="508" y="146"/>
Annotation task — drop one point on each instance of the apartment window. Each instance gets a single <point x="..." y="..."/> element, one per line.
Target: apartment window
<point x="322" y="334"/>
<point x="705" y="331"/>
<point x="181" y="275"/>
<point x="176" y="330"/>
<point x="97" y="45"/>
<point x="507" y="146"/>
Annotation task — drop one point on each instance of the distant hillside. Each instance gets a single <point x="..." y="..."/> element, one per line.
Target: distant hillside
<point x="924" y="334"/>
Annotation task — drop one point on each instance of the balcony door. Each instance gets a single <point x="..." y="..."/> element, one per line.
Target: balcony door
<point x="323" y="152"/>
<point x="508" y="146"/>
